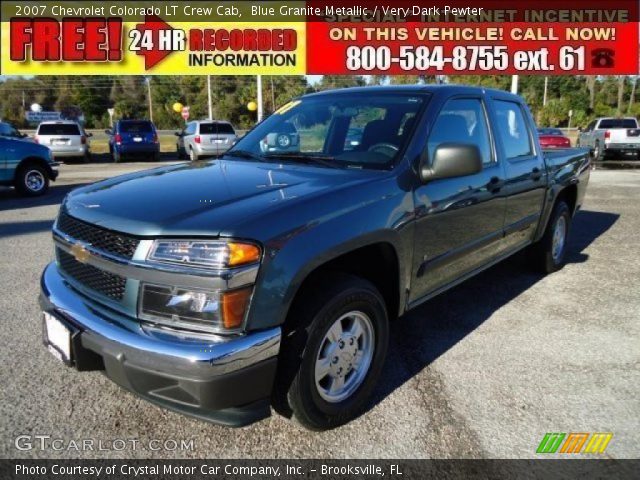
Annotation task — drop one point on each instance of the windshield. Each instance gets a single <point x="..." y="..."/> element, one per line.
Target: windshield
<point x="618" y="123"/>
<point x="358" y="131"/>
<point x="136" y="127"/>
<point x="59" y="129"/>
<point x="550" y="131"/>
<point x="213" y="128"/>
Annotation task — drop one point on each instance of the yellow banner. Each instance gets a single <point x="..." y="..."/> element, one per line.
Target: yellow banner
<point x="179" y="62"/>
<point x="85" y="39"/>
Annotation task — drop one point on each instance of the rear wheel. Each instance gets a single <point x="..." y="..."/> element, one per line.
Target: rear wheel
<point x="32" y="180"/>
<point x="331" y="360"/>
<point x="117" y="158"/>
<point x="550" y="252"/>
<point x="597" y="152"/>
<point x="180" y="153"/>
<point x="193" y="156"/>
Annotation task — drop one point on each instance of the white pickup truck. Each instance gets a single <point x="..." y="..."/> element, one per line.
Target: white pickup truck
<point x="608" y="137"/>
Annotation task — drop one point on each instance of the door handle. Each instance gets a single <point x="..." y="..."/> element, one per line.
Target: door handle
<point x="495" y="184"/>
<point x="536" y="174"/>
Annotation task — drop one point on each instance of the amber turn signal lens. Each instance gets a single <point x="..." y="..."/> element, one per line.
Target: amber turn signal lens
<point x="243" y="253"/>
<point x="234" y="306"/>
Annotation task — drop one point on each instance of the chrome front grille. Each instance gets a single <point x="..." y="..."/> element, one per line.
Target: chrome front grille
<point x="99" y="238"/>
<point x="105" y="283"/>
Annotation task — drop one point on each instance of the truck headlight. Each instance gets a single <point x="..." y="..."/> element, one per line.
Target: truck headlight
<point x="194" y="310"/>
<point x="205" y="253"/>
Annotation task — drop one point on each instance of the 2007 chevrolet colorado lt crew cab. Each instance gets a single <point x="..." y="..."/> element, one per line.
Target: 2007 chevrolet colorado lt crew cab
<point x="269" y="276"/>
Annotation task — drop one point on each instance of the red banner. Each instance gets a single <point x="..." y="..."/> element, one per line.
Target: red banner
<point x="401" y="38"/>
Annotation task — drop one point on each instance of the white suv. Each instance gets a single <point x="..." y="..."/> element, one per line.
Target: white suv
<point x="204" y="138"/>
<point x="65" y="138"/>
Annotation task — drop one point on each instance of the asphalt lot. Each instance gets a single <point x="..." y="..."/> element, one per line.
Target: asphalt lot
<point x="484" y="370"/>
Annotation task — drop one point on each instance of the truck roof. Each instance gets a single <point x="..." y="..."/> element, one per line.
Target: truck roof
<point x="58" y="122"/>
<point x="447" y="89"/>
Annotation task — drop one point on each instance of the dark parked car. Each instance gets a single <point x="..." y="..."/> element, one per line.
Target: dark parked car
<point x="270" y="276"/>
<point x="133" y="138"/>
<point x="553" y="138"/>
<point x="26" y="166"/>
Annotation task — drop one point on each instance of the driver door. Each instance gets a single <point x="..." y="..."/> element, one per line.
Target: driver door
<point x="460" y="220"/>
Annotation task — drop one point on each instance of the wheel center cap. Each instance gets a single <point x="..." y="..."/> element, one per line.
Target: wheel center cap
<point x="343" y="356"/>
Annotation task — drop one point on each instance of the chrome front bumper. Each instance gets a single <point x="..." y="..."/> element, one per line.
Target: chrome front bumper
<point x="195" y="374"/>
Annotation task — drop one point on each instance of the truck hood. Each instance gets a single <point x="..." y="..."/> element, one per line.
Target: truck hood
<point x="202" y="198"/>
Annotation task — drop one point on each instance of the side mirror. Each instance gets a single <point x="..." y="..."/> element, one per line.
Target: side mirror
<point x="108" y="132"/>
<point x="89" y="134"/>
<point x="178" y="134"/>
<point x="579" y="129"/>
<point x="22" y="135"/>
<point x="452" y="160"/>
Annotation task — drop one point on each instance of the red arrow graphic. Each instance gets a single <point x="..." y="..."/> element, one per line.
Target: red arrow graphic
<point x="153" y="55"/>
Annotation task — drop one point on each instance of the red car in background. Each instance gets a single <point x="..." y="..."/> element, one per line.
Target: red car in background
<point x="553" y="138"/>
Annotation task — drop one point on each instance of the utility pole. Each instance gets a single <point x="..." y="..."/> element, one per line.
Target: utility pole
<point x="150" y="101"/>
<point x="209" y="97"/>
<point x="273" y="96"/>
<point x="632" y="97"/>
<point x="546" y="86"/>
<point x="260" y="110"/>
<point x="514" y="84"/>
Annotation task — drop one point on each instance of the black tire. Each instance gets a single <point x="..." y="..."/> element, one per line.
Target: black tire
<point x="156" y="157"/>
<point x="544" y="258"/>
<point x="87" y="157"/>
<point x="32" y="180"/>
<point x="597" y="152"/>
<point x="315" y="311"/>
<point x="117" y="157"/>
<point x="180" y="153"/>
<point x="193" y="156"/>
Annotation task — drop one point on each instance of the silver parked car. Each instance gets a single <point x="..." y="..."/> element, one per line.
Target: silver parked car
<point x="65" y="138"/>
<point x="202" y="138"/>
<point x="609" y="137"/>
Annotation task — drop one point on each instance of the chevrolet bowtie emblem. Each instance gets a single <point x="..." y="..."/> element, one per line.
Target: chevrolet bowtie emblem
<point x="80" y="253"/>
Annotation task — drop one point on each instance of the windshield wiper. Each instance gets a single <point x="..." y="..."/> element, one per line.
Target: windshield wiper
<point x="244" y="154"/>
<point x="323" y="160"/>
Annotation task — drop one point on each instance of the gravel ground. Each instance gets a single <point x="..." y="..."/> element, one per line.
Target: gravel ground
<point x="483" y="371"/>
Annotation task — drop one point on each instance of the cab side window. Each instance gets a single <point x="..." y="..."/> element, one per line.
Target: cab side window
<point x="462" y="120"/>
<point x="514" y="132"/>
<point x="7" y="130"/>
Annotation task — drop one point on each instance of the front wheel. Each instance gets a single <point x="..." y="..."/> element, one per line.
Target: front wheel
<point x="32" y="181"/>
<point x="551" y="251"/>
<point x="335" y="354"/>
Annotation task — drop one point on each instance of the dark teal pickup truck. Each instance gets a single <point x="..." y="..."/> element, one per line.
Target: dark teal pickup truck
<point x="268" y="277"/>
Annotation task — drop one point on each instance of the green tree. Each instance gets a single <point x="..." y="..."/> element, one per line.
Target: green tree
<point x="129" y="97"/>
<point x="341" y="81"/>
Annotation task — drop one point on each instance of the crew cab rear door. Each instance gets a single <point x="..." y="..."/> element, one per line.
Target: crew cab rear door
<point x="526" y="174"/>
<point x="459" y="224"/>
